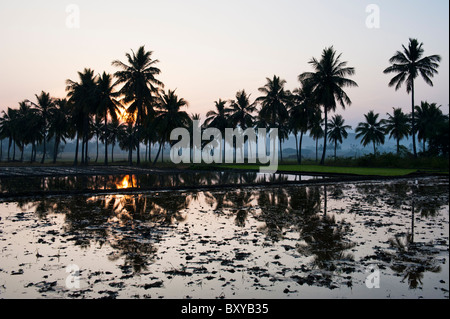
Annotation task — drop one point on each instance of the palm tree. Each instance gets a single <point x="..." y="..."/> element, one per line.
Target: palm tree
<point x="83" y="100"/>
<point x="274" y="106"/>
<point x="44" y="104"/>
<point x="219" y="119"/>
<point x="107" y="104"/>
<point x="408" y="65"/>
<point x="428" y="117"/>
<point x="241" y="113"/>
<point x="58" y="125"/>
<point x="398" y="126"/>
<point x="302" y="111"/>
<point x="140" y="86"/>
<point x="169" y="117"/>
<point x="23" y="134"/>
<point x="328" y="81"/>
<point x="337" y="131"/>
<point x="371" y="131"/>
<point x="8" y="128"/>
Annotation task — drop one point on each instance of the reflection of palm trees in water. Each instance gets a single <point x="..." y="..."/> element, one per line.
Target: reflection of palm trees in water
<point x="412" y="260"/>
<point x="94" y="220"/>
<point x="274" y="212"/>
<point x="136" y="254"/>
<point x="323" y="237"/>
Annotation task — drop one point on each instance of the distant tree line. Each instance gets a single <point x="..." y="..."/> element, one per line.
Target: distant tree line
<point x="131" y="108"/>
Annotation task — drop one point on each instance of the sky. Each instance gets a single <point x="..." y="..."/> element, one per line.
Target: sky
<point x="210" y="49"/>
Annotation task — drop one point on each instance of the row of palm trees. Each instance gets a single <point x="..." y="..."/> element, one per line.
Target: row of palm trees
<point x="131" y="107"/>
<point x="397" y="126"/>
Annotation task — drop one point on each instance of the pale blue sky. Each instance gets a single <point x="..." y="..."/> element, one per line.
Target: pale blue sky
<point x="211" y="49"/>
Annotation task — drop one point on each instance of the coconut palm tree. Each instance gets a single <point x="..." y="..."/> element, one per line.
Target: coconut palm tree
<point x="274" y="109"/>
<point x="58" y="125"/>
<point x="371" y="131"/>
<point x="44" y="104"/>
<point x="337" y="131"/>
<point x="170" y="116"/>
<point x="398" y="126"/>
<point x="219" y="119"/>
<point x="328" y="80"/>
<point x="107" y="105"/>
<point x="8" y="128"/>
<point x="83" y="101"/>
<point x="408" y="65"/>
<point x="302" y="111"/>
<point x="140" y="85"/>
<point x="428" y="117"/>
<point x="241" y="114"/>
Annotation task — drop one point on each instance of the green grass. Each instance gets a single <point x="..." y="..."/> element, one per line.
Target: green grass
<point x="368" y="171"/>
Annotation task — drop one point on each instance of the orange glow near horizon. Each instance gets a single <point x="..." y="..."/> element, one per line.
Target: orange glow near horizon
<point x="128" y="181"/>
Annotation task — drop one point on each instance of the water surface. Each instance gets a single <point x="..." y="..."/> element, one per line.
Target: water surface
<point x="316" y="241"/>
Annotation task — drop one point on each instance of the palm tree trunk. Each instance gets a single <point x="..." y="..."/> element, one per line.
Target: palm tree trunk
<point x="21" y="155"/>
<point x="335" y="147"/>
<point x="138" y="131"/>
<point x="82" y="149"/>
<point x="300" y="148"/>
<point x="398" y="147"/>
<point x="413" y="120"/>
<point x="33" y="152"/>
<point x="146" y="152"/>
<point x="322" y="161"/>
<point x="157" y="155"/>
<point x="296" y="148"/>
<point x="317" y="149"/>
<point x="150" y="152"/>
<point x="374" y="149"/>
<point x="86" y="158"/>
<point x="75" y="162"/>
<point x="55" y="149"/>
<point x="112" y="152"/>
<point x="9" y="147"/>
<point x="96" y="157"/>
<point x="106" y="138"/>
<point x="45" y="149"/>
<point x="281" y="151"/>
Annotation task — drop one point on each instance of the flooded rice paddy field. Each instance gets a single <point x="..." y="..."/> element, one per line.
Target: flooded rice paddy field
<point x="309" y="241"/>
